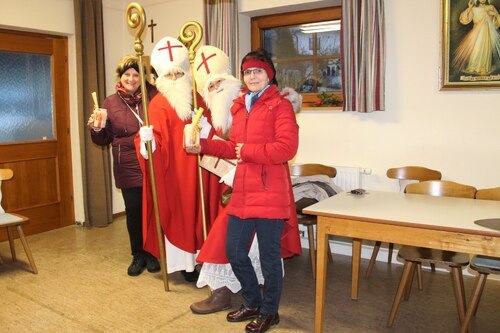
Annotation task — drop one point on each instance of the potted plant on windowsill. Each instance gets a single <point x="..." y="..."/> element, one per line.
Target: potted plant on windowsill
<point x="325" y="99"/>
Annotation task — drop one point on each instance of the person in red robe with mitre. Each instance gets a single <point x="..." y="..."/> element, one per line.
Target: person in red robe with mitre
<point x="176" y="172"/>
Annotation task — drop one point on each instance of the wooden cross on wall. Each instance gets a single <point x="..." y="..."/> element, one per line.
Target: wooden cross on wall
<point x="152" y="25"/>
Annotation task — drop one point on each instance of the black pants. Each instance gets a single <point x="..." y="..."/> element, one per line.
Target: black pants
<point x="133" y="209"/>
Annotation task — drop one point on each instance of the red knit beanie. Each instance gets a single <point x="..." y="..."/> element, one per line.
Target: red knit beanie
<point x="256" y="63"/>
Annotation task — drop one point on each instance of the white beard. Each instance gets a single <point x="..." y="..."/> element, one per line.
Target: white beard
<point x="219" y="102"/>
<point x="179" y="94"/>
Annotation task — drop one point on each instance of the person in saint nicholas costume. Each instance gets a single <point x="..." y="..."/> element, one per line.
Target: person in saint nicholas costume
<point x="219" y="88"/>
<point x="176" y="173"/>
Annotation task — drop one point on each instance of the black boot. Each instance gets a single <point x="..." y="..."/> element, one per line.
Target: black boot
<point x="191" y="276"/>
<point x="152" y="263"/>
<point x="137" y="266"/>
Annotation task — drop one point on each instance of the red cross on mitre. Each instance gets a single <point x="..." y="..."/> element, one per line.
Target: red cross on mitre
<point x="170" y="47"/>
<point x="204" y="62"/>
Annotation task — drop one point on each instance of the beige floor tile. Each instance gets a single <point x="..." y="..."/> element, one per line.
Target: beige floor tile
<point x="82" y="286"/>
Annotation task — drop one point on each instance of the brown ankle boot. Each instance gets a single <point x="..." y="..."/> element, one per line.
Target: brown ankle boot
<point x="218" y="301"/>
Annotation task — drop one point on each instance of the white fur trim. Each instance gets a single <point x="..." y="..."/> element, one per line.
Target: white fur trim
<point x="294" y="97"/>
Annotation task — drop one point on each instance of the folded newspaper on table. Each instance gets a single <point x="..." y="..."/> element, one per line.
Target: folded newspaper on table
<point x="216" y="165"/>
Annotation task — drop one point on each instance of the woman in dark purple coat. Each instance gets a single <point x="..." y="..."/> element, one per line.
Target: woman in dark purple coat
<point x="124" y="113"/>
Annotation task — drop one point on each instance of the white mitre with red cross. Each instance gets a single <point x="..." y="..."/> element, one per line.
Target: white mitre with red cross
<point x="170" y="55"/>
<point x="209" y="63"/>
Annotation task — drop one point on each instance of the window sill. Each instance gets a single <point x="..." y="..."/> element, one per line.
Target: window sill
<point x="321" y="108"/>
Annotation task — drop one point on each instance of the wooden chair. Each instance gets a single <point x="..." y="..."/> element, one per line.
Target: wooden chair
<point x="302" y="170"/>
<point x="482" y="264"/>
<point x="404" y="175"/>
<point x="10" y="220"/>
<point x="418" y="255"/>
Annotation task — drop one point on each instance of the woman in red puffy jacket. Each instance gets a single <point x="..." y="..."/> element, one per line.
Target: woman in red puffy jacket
<point x="264" y="138"/>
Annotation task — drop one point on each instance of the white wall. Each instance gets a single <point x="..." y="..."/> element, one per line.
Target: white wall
<point x="266" y="7"/>
<point x="53" y="17"/>
<point x="50" y="16"/>
<point x="453" y="131"/>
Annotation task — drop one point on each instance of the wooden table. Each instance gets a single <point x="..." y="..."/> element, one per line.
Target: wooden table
<point x="411" y="219"/>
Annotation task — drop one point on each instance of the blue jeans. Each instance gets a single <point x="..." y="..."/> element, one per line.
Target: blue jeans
<point x="239" y="235"/>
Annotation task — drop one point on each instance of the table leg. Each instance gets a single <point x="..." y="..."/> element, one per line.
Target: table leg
<point x="321" y="266"/>
<point x="356" y="259"/>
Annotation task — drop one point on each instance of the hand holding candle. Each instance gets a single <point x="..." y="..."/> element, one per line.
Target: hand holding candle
<point x="192" y="132"/>
<point x="99" y="115"/>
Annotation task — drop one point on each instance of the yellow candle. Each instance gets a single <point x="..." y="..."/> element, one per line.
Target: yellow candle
<point x="197" y="117"/>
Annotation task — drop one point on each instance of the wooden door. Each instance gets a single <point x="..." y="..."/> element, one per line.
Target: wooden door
<point x="42" y="187"/>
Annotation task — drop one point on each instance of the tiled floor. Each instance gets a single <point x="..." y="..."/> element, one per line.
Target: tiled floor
<point x="82" y="286"/>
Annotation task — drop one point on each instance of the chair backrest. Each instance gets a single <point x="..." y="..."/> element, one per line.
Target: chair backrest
<point x="443" y="188"/>
<point x="413" y="173"/>
<point x="489" y="194"/>
<point x="304" y="170"/>
<point x="5" y="174"/>
<point x="312" y="170"/>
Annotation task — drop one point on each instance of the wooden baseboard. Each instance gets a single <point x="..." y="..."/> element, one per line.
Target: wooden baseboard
<point x="119" y="214"/>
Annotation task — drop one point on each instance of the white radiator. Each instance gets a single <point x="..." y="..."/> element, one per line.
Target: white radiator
<point x="348" y="178"/>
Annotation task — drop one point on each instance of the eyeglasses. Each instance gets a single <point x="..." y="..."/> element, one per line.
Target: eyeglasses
<point x="255" y="71"/>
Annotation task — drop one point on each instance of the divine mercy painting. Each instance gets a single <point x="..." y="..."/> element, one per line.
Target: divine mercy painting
<point x="471" y="44"/>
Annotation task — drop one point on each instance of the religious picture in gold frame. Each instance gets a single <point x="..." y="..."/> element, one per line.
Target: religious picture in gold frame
<point x="470" y="44"/>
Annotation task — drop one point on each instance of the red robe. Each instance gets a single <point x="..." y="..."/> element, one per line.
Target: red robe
<point x="214" y="249"/>
<point x="177" y="183"/>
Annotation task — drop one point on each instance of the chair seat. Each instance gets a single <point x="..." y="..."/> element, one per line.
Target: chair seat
<point x="306" y="219"/>
<point x="414" y="257"/>
<point x="10" y="219"/>
<point x="485" y="265"/>
<point x="431" y="256"/>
